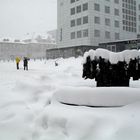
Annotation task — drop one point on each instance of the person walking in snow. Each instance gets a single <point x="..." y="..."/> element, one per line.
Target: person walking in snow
<point x="17" y="62"/>
<point x="25" y="63"/>
<point x="87" y="68"/>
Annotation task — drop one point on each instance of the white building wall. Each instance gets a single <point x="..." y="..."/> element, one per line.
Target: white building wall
<point x="64" y="19"/>
<point x="64" y="28"/>
<point x="138" y="17"/>
<point x="32" y="50"/>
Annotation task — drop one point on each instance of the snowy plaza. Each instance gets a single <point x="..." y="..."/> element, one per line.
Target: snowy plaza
<point x="31" y="105"/>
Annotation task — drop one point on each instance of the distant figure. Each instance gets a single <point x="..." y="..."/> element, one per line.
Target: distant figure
<point x="17" y="62"/>
<point x="56" y="64"/>
<point x="25" y="63"/>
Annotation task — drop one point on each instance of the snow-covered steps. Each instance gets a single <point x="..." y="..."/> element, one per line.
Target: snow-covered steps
<point x="98" y="97"/>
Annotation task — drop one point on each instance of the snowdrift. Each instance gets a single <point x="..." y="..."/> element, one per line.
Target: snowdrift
<point x="101" y="97"/>
<point x="113" y="57"/>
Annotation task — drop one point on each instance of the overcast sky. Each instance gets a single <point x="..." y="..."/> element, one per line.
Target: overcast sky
<point x="21" y="17"/>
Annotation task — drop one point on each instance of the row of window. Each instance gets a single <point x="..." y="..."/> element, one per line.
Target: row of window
<point x="84" y="7"/>
<point x="79" y="21"/>
<point x="79" y="34"/>
<point x="130" y="1"/>
<point x="72" y="1"/>
<point x="139" y="17"/>
<point x="129" y="12"/>
<point x="129" y="19"/>
<point x="128" y="23"/>
<point x="97" y="33"/>
<point x="107" y="9"/>
<point x="79" y="9"/>
<point x="139" y="6"/>
<point x="129" y="15"/>
<point x="128" y="9"/>
<point x="139" y="28"/>
<point x="129" y="29"/>
<point x="129" y="6"/>
<point x="115" y="1"/>
<point x="107" y="22"/>
<point x="127" y="1"/>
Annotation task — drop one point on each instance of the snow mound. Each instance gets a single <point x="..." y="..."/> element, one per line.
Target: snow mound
<point x="101" y="97"/>
<point x="113" y="57"/>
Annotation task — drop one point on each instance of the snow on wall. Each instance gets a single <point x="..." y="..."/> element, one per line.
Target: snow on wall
<point x="113" y="57"/>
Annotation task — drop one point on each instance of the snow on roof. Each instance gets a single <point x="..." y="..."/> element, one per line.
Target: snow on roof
<point x="113" y="57"/>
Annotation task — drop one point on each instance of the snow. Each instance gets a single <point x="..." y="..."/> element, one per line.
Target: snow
<point x="31" y="108"/>
<point x="113" y="57"/>
<point x="100" y="97"/>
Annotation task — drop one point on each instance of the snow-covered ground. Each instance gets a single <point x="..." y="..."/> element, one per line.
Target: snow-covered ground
<point x="30" y="107"/>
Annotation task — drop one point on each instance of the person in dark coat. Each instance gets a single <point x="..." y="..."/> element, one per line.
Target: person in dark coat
<point x="93" y="68"/>
<point x="138" y="67"/>
<point x="87" y="68"/>
<point x="25" y="63"/>
<point x="133" y="69"/>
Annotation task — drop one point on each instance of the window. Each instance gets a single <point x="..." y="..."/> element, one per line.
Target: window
<point x="78" y="9"/>
<point x="107" y="9"/>
<point x="72" y="11"/>
<point x="117" y="36"/>
<point x="107" y="35"/>
<point x="107" y="21"/>
<point x="72" y="1"/>
<point x="61" y="34"/>
<point x="117" y="24"/>
<point x="79" y="21"/>
<point x="85" y="19"/>
<point x="97" y="33"/>
<point x="116" y="12"/>
<point x="72" y="23"/>
<point x="96" y="7"/>
<point x="97" y="20"/>
<point x="85" y="33"/>
<point x="116" y="1"/>
<point x="85" y="6"/>
<point x="79" y="34"/>
<point x="72" y="35"/>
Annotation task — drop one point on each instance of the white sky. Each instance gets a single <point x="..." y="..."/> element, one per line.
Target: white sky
<point x="21" y="17"/>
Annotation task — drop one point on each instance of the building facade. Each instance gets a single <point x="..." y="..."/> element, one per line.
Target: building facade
<point x="90" y="22"/>
<point x="10" y="50"/>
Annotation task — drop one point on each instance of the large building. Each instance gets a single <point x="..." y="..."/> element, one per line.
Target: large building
<point x="10" y="50"/>
<point x="90" y="22"/>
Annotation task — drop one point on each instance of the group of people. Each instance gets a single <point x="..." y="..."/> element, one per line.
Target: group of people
<point x="25" y="62"/>
<point x="108" y="74"/>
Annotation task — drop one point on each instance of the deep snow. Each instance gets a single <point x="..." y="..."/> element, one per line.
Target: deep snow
<point x="113" y="57"/>
<point x="29" y="109"/>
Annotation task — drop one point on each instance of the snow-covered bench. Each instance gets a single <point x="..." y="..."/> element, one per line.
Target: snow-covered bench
<point x="98" y="97"/>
